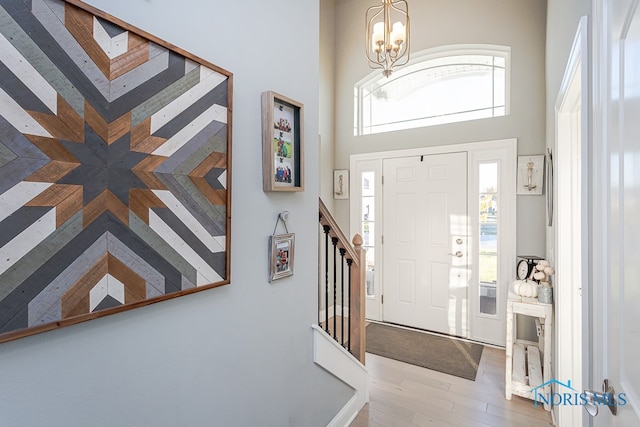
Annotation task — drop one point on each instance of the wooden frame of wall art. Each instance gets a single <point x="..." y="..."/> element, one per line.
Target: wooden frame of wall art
<point x="282" y="143"/>
<point x="115" y="185"/>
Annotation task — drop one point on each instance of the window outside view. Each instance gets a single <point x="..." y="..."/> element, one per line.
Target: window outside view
<point x="488" y="259"/>
<point x="368" y="229"/>
<point x="440" y="90"/>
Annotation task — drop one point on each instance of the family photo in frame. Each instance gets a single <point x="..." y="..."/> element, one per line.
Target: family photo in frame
<point x="281" y="256"/>
<point x="282" y="145"/>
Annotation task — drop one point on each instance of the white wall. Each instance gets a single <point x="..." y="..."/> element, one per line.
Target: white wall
<point x="562" y="22"/>
<point x="327" y="99"/>
<point x="238" y="355"/>
<point x="516" y="23"/>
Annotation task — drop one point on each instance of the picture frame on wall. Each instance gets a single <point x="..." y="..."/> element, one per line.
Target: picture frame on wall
<point x="99" y="215"/>
<point x="341" y="184"/>
<point x="281" y="256"/>
<point x="530" y="175"/>
<point x="282" y="143"/>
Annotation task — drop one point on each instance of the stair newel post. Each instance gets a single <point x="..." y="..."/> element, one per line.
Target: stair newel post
<point x="357" y="301"/>
<point x="334" y="241"/>
<point x="326" y="229"/>
<point x="342" y="252"/>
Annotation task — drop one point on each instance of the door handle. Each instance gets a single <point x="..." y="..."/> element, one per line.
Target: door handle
<point x="595" y="399"/>
<point x="457" y="254"/>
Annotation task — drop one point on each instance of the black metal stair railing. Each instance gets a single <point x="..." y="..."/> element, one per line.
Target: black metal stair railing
<point x="341" y="300"/>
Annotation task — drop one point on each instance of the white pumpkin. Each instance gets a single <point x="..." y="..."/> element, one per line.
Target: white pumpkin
<point x="516" y="286"/>
<point x="526" y="288"/>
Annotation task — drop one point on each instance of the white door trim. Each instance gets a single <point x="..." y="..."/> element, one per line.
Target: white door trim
<point x="508" y="224"/>
<point x="571" y="234"/>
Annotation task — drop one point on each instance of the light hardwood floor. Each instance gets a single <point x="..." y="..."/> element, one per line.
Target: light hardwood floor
<point x="402" y="395"/>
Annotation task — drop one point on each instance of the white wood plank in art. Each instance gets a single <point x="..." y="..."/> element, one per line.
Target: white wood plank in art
<point x="189" y="220"/>
<point x="28" y="75"/>
<point x="173" y="144"/>
<point x="209" y="79"/>
<point x="19" y="119"/>
<point x="18" y="195"/>
<point x="98" y="293"/>
<point x="206" y="274"/>
<point x="31" y="237"/>
<point x="222" y="179"/>
<point x="112" y="46"/>
<point x="115" y="288"/>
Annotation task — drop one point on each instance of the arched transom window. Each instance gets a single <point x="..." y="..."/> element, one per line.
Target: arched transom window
<point x="444" y="85"/>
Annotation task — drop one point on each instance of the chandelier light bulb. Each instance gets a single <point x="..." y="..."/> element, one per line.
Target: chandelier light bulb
<point x="387" y="45"/>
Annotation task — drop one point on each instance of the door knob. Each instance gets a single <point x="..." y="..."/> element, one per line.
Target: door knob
<point x="595" y="398"/>
<point x="457" y="254"/>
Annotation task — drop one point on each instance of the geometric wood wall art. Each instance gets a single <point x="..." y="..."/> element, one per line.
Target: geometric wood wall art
<point x="114" y="167"/>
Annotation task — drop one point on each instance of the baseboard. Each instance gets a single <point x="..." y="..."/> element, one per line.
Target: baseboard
<point x="347" y="414"/>
<point x="331" y="356"/>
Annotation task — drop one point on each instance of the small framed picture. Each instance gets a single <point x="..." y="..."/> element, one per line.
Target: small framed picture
<point x="281" y="256"/>
<point x="530" y="175"/>
<point x="341" y="184"/>
<point x="282" y="143"/>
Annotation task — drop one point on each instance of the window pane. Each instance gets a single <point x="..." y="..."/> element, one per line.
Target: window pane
<point x="367" y="228"/>
<point x="370" y="271"/>
<point x="488" y="257"/>
<point x="445" y="89"/>
<point x="488" y="177"/>
<point x="368" y="183"/>
<point x="368" y="233"/>
<point x="368" y="208"/>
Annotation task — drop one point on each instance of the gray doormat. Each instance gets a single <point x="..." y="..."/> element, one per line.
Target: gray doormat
<point x="443" y="354"/>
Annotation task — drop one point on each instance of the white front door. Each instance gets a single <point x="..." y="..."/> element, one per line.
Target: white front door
<point x="616" y="296"/>
<point x="425" y="242"/>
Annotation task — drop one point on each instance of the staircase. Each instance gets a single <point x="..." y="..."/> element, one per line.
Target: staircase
<point x="339" y="336"/>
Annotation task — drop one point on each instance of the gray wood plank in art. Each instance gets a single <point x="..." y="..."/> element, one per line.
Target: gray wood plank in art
<point x="200" y="155"/>
<point x="186" y="152"/>
<point x="19" y="221"/>
<point x="39" y="255"/>
<point x="159" y="245"/>
<point x="138" y="76"/>
<point x="161" y="99"/>
<point x="51" y="16"/>
<point x="185" y="234"/>
<point x="16" y="142"/>
<point x="20" y="93"/>
<point x="15" y="171"/>
<point x="172" y="277"/>
<point x="191" y="197"/>
<point x="130" y="100"/>
<point x="6" y="155"/>
<point x="217" y="95"/>
<point x="212" y="177"/>
<point x="137" y="264"/>
<point x="186" y="284"/>
<point x="36" y="57"/>
<point x="51" y="295"/>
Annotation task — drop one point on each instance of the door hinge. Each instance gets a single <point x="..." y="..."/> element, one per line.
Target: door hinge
<point x="382" y="240"/>
<point x="382" y="177"/>
<point x="381" y="299"/>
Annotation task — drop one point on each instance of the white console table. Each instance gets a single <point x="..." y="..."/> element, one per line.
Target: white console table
<point x="528" y="363"/>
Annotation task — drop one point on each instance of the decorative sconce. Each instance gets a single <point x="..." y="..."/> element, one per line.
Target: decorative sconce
<point x="387" y="44"/>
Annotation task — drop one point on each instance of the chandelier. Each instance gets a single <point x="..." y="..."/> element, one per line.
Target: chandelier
<point x="387" y="44"/>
